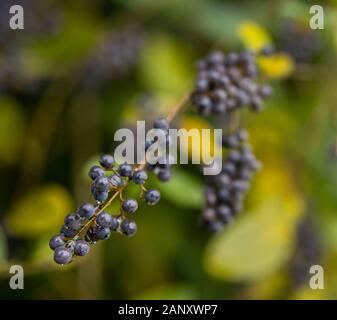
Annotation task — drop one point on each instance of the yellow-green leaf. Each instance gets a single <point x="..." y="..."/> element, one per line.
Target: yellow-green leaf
<point x="12" y="128"/>
<point x="253" y="35"/>
<point x="166" y="65"/>
<point x="183" y="190"/>
<point x="261" y="241"/>
<point x="40" y="212"/>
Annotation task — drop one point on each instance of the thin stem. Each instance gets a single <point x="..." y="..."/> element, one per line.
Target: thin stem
<point x="170" y="117"/>
<point x="178" y="107"/>
<point x="99" y="209"/>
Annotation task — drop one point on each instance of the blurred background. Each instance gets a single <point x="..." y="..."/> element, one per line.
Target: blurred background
<point x="82" y="69"/>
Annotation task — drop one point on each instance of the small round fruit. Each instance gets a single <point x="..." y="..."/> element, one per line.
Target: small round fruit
<point x="101" y="233"/>
<point x="125" y="170"/>
<point x="86" y="210"/>
<point x="139" y="177"/>
<point x="56" y="241"/>
<point x="161" y="123"/>
<point x="130" y="205"/>
<point x="107" y="161"/>
<point x="62" y="255"/>
<point x="95" y="172"/>
<point x="152" y="197"/>
<point x="81" y="248"/>
<point x="129" y="227"/>
<point x="104" y="219"/>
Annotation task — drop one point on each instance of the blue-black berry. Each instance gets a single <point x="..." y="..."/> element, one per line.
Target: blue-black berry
<point x="62" y="255"/>
<point x="130" y="205"/>
<point x="107" y="161"/>
<point x="116" y="181"/>
<point x="86" y="210"/>
<point x="73" y="221"/>
<point x="139" y="177"/>
<point x="56" y="241"/>
<point x="152" y="197"/>
<point x="104" y="219"/>
<point x="101" y="233"/>
<point x="125" y="170"/>
<point x="81" y="248"/>
<point x="95" y="172"/>
<point x="129" y="227"/>
<point x="161" y="123"/>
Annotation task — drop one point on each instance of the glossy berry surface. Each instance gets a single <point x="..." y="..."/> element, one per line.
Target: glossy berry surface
<point x="81" y="248"/>
<point x="129" y="227"/>
<point x="152" y="197"/>
<point x="130" y="205"/>
<point x="56" y="241"/>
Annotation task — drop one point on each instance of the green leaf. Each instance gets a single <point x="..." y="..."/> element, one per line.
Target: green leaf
<point x="166" y="65"/>
<point x="260" y="242"/>
<point x="183" y="190"/>
<point x="40" y="212"/>
<point x="12" y="128"/>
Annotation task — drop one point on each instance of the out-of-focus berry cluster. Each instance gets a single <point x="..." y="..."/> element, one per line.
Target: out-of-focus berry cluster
<point x="117" y="55"/>
<point x="162" y="167"/>
<point x="224" y="193"/>
<point x="301" y="42"/>
<point x="91" y="223"/>
<point x="228" y="82"/>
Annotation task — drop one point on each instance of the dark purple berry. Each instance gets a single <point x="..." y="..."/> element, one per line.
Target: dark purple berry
<point x="129" y="227"/>
<point x="130" y="205"/>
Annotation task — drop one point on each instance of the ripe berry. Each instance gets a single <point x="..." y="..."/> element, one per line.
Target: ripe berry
<point x="73" y="221"/>
<point x="130" y="205"/>
<point x="86" y="210"/>
<point x="101" y="184"/>
<point x="116" y="181"/>
<point x="115" y="222"/>
<point x="101" y="233"/>
<point x="161" y="123"/>
<point x="164" y="175"/>
<point x="125" y="170"/>
<point x="129" y="227"/>
<point x="107" y="161"/>
<point x="104" y="219"/>
<point x="62" y="255"/>
<point x="95" y="172"/>
<point x="81" y="248"/>
<point x="56" y="241"/>
<point x="152" y="197"/>
<point x="68" y="232"/>
<point x="139" y="177"/>
<point x="100" y="196"/>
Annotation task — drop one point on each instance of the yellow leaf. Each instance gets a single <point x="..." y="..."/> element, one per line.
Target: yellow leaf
<point x="253" y="36"/>
<point x="261" y="241"/>
<point x="278" y="65"/>
<point x="196" y="147"/>
<point x="40" y="212"/>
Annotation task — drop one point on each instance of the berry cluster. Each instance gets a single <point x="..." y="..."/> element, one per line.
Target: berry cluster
<point x="224" y="193"/>
<point x="91" y="223"/>
<point x="117" y="55"/>
<point x="228" y="82"/>
<point x="301" y="42"/>
<point x="162" y="168"/>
